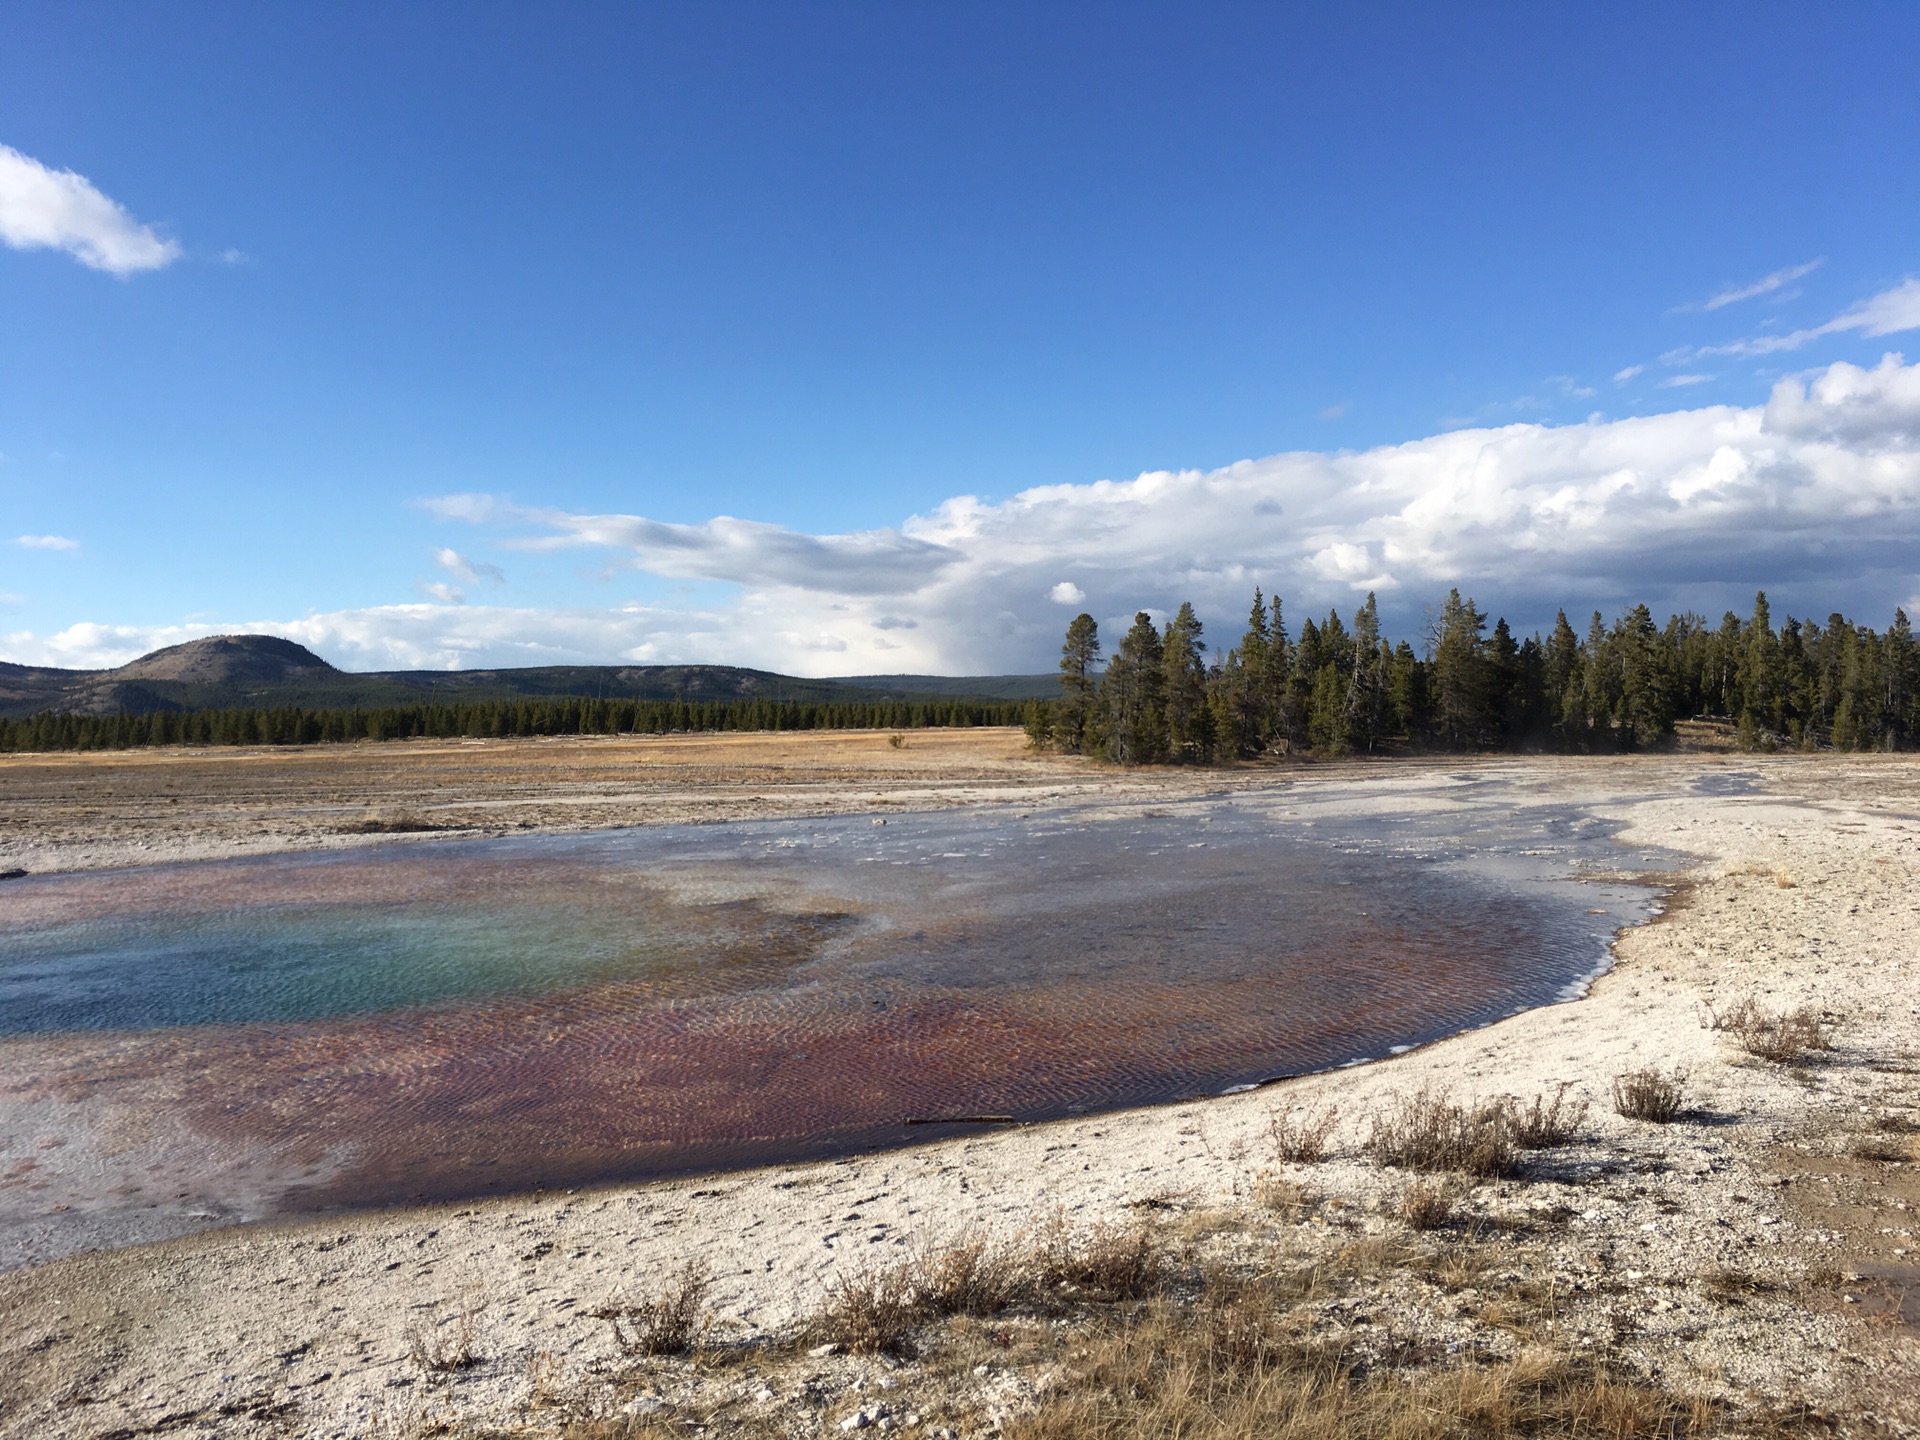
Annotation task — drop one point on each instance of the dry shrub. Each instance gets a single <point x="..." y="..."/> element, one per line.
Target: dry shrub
<point x="1547" y="1123"/>
<point x="1427" y="1131"/>
<point x="1769" y="1036"/>
<point x="1300" y="1138"/>
<point x="968" y="1279"/>
<point x="871" y="1314"/>
<point x="1783" y="880"/>
<point x="1107" y="1263"/>
<point x="447" y="1344"/>
<point x="1781" y="1038"/>
<point x="1423" y="1206"/>
<point x="1650" y="1095"/>
<point x="669" y="1323"/>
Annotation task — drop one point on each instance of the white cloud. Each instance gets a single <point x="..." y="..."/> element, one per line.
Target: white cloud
<point x="746" y="552"/>
<point x="1570" y="387"/>
<point x="444" y="593"/>
<point x="471" y="571"/>
<point x="1333" y="412"/>
<point x="1620" y="377"/>
<point x="47" y="542"/>
<point x="59" y="210"/>
<point x="1680" y="382"/>
<point x="1815" y="494"/>
<point x="1766" y="285"/>
<point x="1888" y="313"/>
<point x="1066" y="593"/>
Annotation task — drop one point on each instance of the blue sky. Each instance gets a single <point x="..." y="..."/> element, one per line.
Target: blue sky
<point x="838" y="338"/>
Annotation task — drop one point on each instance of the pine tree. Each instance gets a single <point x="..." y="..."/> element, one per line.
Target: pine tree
<point x="1366" y="703"/>
<point x="1646" y="683"/>
<point x="1503" y="722"/>
<point x="1237" y="689"/>
<point x="1760" y="668"/>
<point x="1275" y="686"/>
<point x="1460" y="678"/>
<point x="1079" y="658"/>
<point x="1407" y="694"/>
<point x="1900" y="677"/>
<point x="1189" y="721"/>
<point x="1133" y="711"/>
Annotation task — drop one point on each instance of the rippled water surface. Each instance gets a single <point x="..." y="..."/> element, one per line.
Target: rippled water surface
<point x="435" y="1020"/>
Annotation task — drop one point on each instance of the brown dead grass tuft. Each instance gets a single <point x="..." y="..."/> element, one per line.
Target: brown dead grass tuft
<point x="671" y="1322"/>
<point x="871" y="1314"/>
<point x="1777" y="1037"/>
<point x="877" y="1313"/>
<point x="1107" y="1263"/>
<point x="1301" y="1138"/>
<point x="1427" y="1131"/>
<point x="442" y="1346"/>
<point x="1547" y="1123"/>
<point x="1650" y="1095"/>
<point x="1281" y="1197"/>
<point x="1425" y="1206"/>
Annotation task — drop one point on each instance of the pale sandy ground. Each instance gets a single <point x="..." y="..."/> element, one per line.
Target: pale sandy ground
<point x="305" y="1329"/>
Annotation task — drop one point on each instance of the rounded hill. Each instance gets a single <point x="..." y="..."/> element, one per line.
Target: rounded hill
<point x="227" y="659"/>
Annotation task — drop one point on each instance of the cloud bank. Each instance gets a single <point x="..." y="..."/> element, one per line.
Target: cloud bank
<point x="41" y="208"/>
<point x="1815" y="493"/>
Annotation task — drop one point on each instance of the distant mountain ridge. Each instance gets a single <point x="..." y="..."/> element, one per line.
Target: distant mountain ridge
<point x="237" y="671"/>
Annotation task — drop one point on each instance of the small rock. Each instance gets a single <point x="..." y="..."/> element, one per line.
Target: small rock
<point x="820" y="1352"/>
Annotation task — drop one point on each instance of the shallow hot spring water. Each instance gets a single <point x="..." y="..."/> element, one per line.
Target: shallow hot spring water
<point x="195" y="1043"/>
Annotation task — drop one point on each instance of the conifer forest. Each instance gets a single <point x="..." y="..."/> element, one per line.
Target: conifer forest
<point x="1340" y="689"/>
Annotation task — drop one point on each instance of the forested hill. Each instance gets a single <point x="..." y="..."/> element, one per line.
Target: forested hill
<point x="229" y="672"/>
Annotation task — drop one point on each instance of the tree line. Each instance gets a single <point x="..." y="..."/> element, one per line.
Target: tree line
<point x="489" y="719"/>
<point x="1338" y="688"/>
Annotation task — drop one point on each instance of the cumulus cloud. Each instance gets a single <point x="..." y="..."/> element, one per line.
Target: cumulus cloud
<point x="1066" y="593"/>
<point x="1888" y="313"/>
<point x="1766" y="285"/>
<point x="1814" y="495"/>
<point x="47" y="542"/>
<point x="42" y="208"/>
<point x="1680" y="382"/>
<point x="1621" y="376"/>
